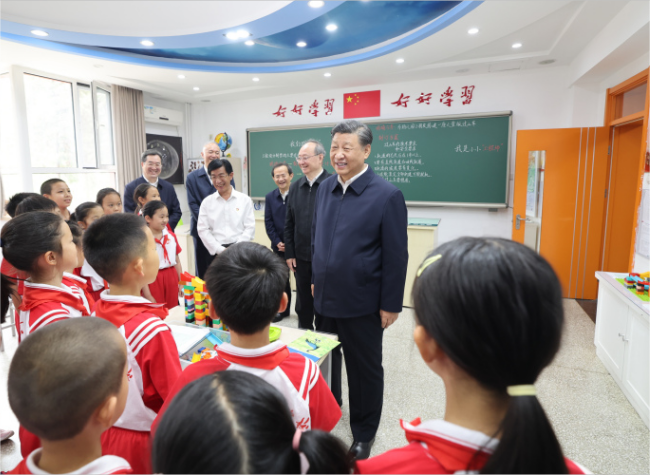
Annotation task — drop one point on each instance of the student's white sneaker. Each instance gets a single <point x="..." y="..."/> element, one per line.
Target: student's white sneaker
<point x="5" y="434"/>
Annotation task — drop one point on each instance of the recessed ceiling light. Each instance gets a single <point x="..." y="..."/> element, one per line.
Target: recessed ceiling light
<point x="316" y="4"/>
<point x="517" y="45"/>
<point x="40" y="33"/>
<point x="243" y="34"/>
<point x="195" y="88"/>
<point x="146" y="43"/>
<point x="399" y="60"/>
<point x="547" y="61"/>
<point x="256" y="79"/>
<point x="327" y="75"/>
<point x="301" y="44"/>
<point x="472" y="31"/>
<point x="249" y="43"/>
<point x="464" y="70"/>
<point x="231" y="35"/>
<point x="181" y="76"/>
<point x="98" y="66"/>
<point x="331" y="27"/>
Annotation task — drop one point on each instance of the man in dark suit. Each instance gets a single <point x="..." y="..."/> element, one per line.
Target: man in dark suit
<point x="275" y="212"/>
<point x="151" y="168"/>
<point x="297" y="228"/>
<point x="359" y="260"/>
<point x="199" y="186"/>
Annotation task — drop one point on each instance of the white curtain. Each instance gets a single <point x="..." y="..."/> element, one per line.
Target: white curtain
<point x="129" y="132"/>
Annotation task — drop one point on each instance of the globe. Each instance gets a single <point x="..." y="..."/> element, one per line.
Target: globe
<point x="224" y="141"/>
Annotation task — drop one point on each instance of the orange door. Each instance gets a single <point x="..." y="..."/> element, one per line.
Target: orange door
<point x="573" y="202"/>
<point x="626" y="150"/>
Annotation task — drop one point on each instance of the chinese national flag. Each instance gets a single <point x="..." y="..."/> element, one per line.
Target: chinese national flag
<point x="361" y="104"/>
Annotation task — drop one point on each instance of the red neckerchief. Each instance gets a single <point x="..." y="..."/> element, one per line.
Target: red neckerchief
<point x="35" y="296"/>
<point x="454" y="456"/>
<point x="268" y="361"/>
<point x="163" y="243"/>
<point x="118" y="313"/>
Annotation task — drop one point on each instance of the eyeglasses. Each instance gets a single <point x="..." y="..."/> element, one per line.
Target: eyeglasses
<point x="302" y="159"/>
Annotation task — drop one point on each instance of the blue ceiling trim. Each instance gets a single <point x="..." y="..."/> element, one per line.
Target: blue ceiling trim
<point x="360" y="25"/>
<point x="288" y="17"/>
<point x="429" y="29"/>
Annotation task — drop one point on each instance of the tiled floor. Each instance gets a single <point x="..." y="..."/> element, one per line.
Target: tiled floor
<point x="595" y="423"/>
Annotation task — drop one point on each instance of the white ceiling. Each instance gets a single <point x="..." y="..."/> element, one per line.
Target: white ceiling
<point x="556" y="30"/>
<point x="135" y="17"/>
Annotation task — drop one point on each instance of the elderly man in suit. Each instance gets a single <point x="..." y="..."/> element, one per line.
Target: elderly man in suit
<point x="151" y="168"/>
<point x="359" y="259"/>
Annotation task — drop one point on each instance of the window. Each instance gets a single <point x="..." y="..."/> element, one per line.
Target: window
<point x="69" y="133"/>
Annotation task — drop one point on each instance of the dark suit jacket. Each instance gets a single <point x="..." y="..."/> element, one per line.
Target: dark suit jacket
<point x="275" y="212"/>
<point x="198" y="187"/>
<point x="167" y="195"/>
<point x="300" y="210"/>
<point x="359" y="247"/>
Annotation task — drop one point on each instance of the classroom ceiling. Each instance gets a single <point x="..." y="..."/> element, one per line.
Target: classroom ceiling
<point x="100" y="40"/>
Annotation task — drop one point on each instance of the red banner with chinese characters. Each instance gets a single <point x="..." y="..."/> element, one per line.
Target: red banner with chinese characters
<point x="361" y="104"/>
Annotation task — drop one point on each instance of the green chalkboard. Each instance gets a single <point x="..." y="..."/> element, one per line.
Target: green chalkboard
<point x="448" y="161"/>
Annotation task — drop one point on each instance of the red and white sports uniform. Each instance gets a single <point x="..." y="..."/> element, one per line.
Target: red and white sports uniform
<point x="154" y="367"/>
<point x="298" y="378"/>
<point x="78" y="285"/>
<point x="438" y="446"/>
<point x="165" y="288"/>
<point x="104" y="465"/>
<point x="44" y="304"/>
<point x="94" y="282"/>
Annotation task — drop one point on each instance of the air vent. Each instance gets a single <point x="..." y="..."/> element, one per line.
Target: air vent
<point x="506" y="66"/>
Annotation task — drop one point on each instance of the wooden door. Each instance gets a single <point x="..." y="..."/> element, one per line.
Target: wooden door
<point x="574" y="202"/>
<point x="623" y="188"/>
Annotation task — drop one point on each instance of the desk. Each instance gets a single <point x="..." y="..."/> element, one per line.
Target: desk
<point x="288" y="335"/>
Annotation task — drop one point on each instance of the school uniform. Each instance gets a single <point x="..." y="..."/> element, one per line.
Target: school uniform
<point x="79" y="285"/>
<point x="95" y="284"/>
<point x="298" y="378"/>
<point x="42" y="305"/>
<point x="165" y="288"/>
<point x="438" y="446"/>
<point x="154" y="367"/>
<point x="167" y="195"/>
<point x="106" y="464"/>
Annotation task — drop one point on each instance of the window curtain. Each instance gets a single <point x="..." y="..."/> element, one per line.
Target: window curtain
<point x="129" y="133"/>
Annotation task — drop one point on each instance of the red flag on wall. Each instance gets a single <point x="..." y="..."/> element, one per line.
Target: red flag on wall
<point x="361" y="104"/>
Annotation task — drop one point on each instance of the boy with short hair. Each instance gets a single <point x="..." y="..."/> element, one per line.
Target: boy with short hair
<point x="58" y="191"/>
<point x="67" y="392"/>
<point x="122" y="250"/>
<point x="246" y="286"/>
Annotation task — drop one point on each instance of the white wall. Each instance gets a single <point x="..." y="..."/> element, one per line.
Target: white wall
<point x="539" y="99"/>
<point x="174" y="131"/>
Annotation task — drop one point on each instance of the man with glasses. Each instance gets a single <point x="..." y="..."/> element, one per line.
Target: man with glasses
<point x="199" y="187"/>
<point x="225" y="217"/>
<point x="151" y="168"/>
<point x="359" y="258"/>
<point x="297" y="228"/>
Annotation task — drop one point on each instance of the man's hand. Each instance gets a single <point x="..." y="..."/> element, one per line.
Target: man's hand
<point x="312" y="290"/>
<point x="281" y="246"/>
<point x="292" y="264"/>
<point x="387" y="318"/>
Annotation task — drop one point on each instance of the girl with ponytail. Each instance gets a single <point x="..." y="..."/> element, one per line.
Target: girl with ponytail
<point x="489" y="319"/>
<point x="235" y="422"/>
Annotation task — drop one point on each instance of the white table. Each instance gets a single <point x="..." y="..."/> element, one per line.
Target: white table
<point x="622" y="340"/>
<point x="288" y="335"/>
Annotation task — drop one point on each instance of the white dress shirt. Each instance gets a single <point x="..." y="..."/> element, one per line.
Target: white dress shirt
<point x="349" y="182"/>
<point x="311" y="182"/>
<point x="225" y="221"/>
<point x="155" y="183"/>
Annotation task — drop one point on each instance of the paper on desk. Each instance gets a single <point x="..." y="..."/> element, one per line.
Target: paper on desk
<point x="186" y="337"/>
<point x="314" y="344"/>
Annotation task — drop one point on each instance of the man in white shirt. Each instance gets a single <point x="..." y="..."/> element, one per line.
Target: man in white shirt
<point x="225" y="217"/>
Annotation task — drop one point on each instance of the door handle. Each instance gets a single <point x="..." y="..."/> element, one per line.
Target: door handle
<point x="519" y="219"/>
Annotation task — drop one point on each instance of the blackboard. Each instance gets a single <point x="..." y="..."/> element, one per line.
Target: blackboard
<point x="441" y="161"/>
